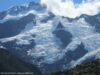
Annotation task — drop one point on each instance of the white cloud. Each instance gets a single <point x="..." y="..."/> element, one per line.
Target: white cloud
<point x="69" y="9"/>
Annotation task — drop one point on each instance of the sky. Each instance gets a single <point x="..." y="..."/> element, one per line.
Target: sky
<point x="5" y="4"/>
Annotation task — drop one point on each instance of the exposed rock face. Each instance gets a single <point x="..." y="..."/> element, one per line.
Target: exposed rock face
<point x="15" y="27"/>
<point x="64" y="36"/>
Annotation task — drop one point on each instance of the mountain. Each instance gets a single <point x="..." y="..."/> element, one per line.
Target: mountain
<point x="11" y="63"/>
<point x="39" y="37"/>
<point x="90" y="68"/>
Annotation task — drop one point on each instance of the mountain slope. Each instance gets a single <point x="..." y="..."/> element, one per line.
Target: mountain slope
<point x="90" y="68"/>
<point x="40" y="37"/>
<point x="11" y="63"/>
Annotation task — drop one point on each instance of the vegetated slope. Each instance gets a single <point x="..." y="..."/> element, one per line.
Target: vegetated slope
<point x="10" y="63"/>
<point x="91" y="68"/>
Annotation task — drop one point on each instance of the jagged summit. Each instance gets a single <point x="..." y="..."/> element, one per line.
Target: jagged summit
<point x="16" y="10"/>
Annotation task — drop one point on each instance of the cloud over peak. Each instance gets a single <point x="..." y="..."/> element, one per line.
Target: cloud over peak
<point x="69" y="9"/>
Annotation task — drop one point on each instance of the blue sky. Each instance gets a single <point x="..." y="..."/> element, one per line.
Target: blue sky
<point x="5" y="4"/>
<point x="77" y="1"/>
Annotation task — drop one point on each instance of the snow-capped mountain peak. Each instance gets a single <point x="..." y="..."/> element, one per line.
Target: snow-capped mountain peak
<point x="38" y="36"/>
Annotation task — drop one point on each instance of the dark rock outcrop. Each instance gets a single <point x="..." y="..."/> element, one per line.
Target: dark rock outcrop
<point x="64" y="36"/>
